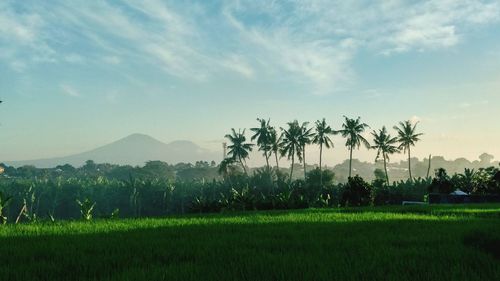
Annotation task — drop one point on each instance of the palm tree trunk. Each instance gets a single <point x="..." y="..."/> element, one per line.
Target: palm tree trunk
<point x="267" y="159"/>
<point x="320" y="170"/>
<point x="304" y="158"/>
<point x="350" y="161"/>
<point x="385" y="168"/>
<point x="429" y="166"/>
<point x="291" y="170"/>
<point x="242" y="165"/>
<point x="409" y="163"/>
<point x="277" y="164"/>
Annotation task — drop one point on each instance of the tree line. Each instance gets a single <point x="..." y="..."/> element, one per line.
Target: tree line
<point x="290" y="142"/>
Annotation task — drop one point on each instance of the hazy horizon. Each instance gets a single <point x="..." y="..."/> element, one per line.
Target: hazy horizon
<point x="331" y="157"/>
<point x="77" y="76"/>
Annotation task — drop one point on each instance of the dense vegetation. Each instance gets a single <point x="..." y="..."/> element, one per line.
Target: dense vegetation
<point x="382" y="243"/>
<point x="56" y="198"/>
<point x="157" y="189"/>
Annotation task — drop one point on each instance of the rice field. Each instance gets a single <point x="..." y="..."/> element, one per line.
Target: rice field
<point x="441" y="242"/>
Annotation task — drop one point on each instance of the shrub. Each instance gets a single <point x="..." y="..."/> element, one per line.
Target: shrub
<point x="357" y="192"/>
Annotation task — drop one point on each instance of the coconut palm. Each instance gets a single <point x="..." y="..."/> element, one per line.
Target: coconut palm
<point x="262" y="134"/>
<point x="274" y="141"/>
<point x="321" y="137"/>
<point x="225" y="166"/>
<point x="239" y="148"/>
<point x="352" y="130"/>
<point x="305" y="139"/>
<point x="385" y="145"/>
<point x="290" y="143"/>
<point x="407" y="137"/>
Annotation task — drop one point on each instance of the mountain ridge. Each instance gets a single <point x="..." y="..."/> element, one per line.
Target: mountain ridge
<point x="134" y="149"/>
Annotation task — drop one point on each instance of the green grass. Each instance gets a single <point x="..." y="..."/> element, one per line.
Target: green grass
<point x="381" y="243"/>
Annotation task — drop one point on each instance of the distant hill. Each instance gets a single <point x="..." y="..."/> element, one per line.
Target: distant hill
<point x="135" y="149"/>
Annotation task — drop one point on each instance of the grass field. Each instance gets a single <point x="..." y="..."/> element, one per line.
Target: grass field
<point x="379" y="243"/>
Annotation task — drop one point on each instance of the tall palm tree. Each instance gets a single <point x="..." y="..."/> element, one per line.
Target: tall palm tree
<point x="321" y="137"/>
<point x="239" y="148"/>
<point x="352" y="130"/>
<point x="407" y="137"/>
<point x="275" y="141"/>
<point x="290" y="143"/>
<point x="385" y="145"/>
<point x="305" y="139"/>
<point x="262" y="134"/>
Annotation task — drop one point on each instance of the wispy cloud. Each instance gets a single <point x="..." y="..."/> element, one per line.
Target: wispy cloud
<point x="311" y="44"/>
<point x="69" y="91"/>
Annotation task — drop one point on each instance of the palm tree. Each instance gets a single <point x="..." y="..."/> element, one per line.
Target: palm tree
<point x="321" y="137"/>
<point x="385" y="145"/>
<point x="225" y="166"/>
<point x="262" y="134"/>
<point x="239" y="148"/>
<point x="352" y="130"/>
<point x="274" y="141"/>
<point x="305" y="139"/>
<point x="407" y="137"/>
<point x="290" y="143"/>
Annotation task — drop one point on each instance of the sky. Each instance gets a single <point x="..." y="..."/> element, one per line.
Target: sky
<point x="75" y="75"/>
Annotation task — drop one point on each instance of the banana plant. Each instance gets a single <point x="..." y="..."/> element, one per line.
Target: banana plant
<point x="86" y="208"/>
<point x="4" y="202"/>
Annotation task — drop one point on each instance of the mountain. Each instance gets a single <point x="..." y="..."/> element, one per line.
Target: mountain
<point x="135" y="149"/>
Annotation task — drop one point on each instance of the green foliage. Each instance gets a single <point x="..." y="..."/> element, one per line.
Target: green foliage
<point x="357" y="192"/>
<point x="407" y="137"/>
<point x="4" y="202"/>
<point x="441" y="183"/>
<point x="239" y="149"/>
<point x="86" y="208"/>
<point x="352" y="130"/>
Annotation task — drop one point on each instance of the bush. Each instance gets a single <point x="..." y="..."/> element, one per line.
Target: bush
<point x="441" y="183"/>
<point x="357" y="192"/>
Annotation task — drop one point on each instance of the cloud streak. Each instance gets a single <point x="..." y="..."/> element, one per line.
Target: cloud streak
<point x="311" y="44"/>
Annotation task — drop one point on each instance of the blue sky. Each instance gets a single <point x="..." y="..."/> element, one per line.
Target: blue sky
<point x="78" y="74"/>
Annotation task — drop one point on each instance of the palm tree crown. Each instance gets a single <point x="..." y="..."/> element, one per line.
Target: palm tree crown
<point x="407" y="137"/>
<point x="322" y="133"/>
<point x="321" y="138"/>
<point x="262" y="134"/>
<point x="305" y="139"/>
<point x="352" y="131"/>
<point x="385" y="145"/>
<point x="290" y="143"/>
<point x="239" y="148"/>
<point x="275" y="143"/>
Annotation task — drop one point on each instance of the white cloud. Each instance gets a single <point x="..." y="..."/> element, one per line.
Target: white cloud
<point x="112" y="59"/>
<point x="239" y="65"/>
<point x="69" y="90"/>
<point x="18" y="66"/>
<point x="415" y="119"/>
<point x="310" y="44"/>
<point x="74" y="58"/>
<point x="466" y="105"/>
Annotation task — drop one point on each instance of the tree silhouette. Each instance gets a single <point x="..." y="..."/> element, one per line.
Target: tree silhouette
<point x="352" y="130"/>
<point x="305" y="139"/>
<point x="262" y="134"/>
<point x="321" y="137"/>
<point x="290" y="143"/>
<point x="407" y="137"/>
<point x="239" y="148"/>
<point x="275" y="141"/>
<point x="385" y="145"/>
